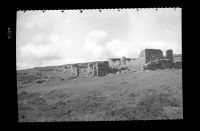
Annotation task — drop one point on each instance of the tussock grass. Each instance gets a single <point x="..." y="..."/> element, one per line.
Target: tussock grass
<point x="109" y="101"/>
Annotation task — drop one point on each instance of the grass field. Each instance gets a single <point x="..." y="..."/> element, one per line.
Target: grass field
<point x="148" y="95"/>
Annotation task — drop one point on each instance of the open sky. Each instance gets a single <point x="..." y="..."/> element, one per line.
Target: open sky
<point x="56" y="38"/>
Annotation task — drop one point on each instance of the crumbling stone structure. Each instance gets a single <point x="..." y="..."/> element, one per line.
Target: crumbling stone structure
<point x="152" y="54"/>
<point x="102" y="68"/>
<point x="148" y="59"/>
<point x="169" y="55"/>
<point x="155" y="54"/>
<point x="137" y="64"/>
<point x="89" y="69"/>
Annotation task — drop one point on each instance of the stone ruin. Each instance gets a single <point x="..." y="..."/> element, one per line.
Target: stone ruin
<point x="89" y="69"/>
<point x="118" y="65"/>
<point x="137" y="64"/>
<point x="147" y="59"/>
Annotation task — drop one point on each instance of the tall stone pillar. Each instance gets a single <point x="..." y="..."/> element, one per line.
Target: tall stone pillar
<point x="78" y="72"/>
<point x="169" y="54"/>
<point x="93" y="71"/>
<point x="97" y="68"/>
<point x="123" y="60"/>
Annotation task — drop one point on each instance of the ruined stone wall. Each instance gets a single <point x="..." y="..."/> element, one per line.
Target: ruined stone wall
<point x="120" y="62"/>
<point x="103" y="68"/>
<point x="100" y="68"/>
<point x="131" y="63"/>
<point x="169" y="54"/>
<point x="114" y="62"/>
<point x="89" y="69"/>
<point x="157" y="54"/>
<point x="86" y="70"/>
<point x="153" y="54"/>
<point x="137" y="64"/>
<point x="145" y="56"/>
<point x="74" y="70"/>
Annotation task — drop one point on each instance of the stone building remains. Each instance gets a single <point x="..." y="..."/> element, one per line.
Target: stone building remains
<point x="145" y="56"/>
<point x="102" y="68"/>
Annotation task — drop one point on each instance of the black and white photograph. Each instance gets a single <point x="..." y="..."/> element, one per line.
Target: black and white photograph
<point x="99" y="65"/>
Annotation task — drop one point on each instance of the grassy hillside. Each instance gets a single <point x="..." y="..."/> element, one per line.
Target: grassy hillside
<point x="145" y="95"/>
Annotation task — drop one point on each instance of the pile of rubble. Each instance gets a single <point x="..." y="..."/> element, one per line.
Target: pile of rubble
<point x="159" y="64"/>
<point x="162" y="64"/>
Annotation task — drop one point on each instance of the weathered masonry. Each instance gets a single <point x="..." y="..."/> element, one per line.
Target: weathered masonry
<point x="89" y="69"/>
<point x="137" y="64"/>
<point x="156" y="54"/>
<point x="102" y="68"/>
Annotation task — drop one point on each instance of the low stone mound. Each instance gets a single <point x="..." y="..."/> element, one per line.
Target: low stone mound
<point x="159" y="64"/>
